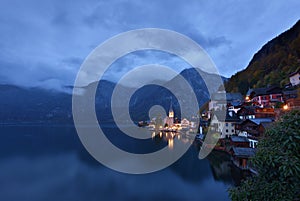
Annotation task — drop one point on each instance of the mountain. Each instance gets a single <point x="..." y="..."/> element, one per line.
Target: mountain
<point x="271" y="65"/>
<point x="26" y="105"/>
<point x="36" y="105"/>
<point x="158" y="95"/>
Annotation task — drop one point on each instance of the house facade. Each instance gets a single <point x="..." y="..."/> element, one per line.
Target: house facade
<point x="295" y="78"/>
<point x="265" y="97"/>
<point x="224" y="123"/>
<point x="239" y="141"/>
<point x="291" y="98"/>
<point x="253" y="129"/>
<point x="252" y="112"/>
<point x="241" y="156"/>
<point x="221" y="100"/>
<point x="185" y="123"/>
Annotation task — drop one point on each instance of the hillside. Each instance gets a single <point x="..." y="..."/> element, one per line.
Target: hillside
<point x="272" y="64"/>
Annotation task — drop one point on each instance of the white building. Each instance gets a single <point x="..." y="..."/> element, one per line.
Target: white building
<point x="295" y="78"/>
<point x="185" y="123"/>
<point x="224" y="123"/>
<point x="221" y="99"/>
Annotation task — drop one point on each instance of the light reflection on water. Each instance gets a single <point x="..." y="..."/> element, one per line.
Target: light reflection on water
<point x="170" y="137"/>
<point x="49" y="163"/>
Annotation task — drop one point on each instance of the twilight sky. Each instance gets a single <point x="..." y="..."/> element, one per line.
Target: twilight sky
<point x="43" y="43"/>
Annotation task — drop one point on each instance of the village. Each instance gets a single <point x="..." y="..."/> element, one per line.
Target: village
<point x="237" y="122"/>
<point x="247" y="118"/>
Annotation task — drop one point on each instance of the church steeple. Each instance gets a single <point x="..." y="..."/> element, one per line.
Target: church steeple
<point x="171" y="112"/>
<point x="169" y="120"/>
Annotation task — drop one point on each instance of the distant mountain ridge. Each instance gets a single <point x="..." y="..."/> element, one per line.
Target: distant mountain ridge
<point x="36" y="105"/>
<point x="271" y="65"/>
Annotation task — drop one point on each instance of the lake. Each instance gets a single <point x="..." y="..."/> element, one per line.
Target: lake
<point x="48" y="162"/>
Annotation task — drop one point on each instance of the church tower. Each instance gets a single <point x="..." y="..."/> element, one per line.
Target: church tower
<point x="170" y="117"/>
<point x="171" y="112"/>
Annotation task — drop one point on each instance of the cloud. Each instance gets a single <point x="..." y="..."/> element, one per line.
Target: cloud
<point x="53" y="32"/>
<point x="36" y="75"/>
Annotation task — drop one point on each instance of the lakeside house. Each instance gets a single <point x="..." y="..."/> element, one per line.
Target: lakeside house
<point x="239" y="141"/>
<point x="241" y="156"/>
<point x="241" y="123"/>
<point x="224" y="122"/>
<point x="253" y="129"/>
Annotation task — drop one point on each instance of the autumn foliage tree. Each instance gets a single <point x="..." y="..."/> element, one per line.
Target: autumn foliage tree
<point x="278" y="164"/>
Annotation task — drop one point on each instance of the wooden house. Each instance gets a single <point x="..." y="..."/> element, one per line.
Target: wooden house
<point x="291" y="98"/>
<point x="239" y="141"/>
<point x="253" y="129"/>
<point x="252" y="112"/>
<point x="241" y="156"/>
<point x="265" y="97"/>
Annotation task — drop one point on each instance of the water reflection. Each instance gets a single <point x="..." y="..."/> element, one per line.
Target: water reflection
<point x="223" y="170"/>
<point x="49" y="163"/>
<point x="170" y="143"/>
<point x="170" y="137"/>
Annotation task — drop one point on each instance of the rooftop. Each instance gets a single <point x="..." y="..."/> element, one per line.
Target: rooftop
<point x="290" y="92"/>
<point x="264" y="91"/>
<point x="261" y="120"/>
<point x="247" y="110"/>
<point x="238" y="139"/>
<point x="243" y="151"/>
<point x="227" y="116"/>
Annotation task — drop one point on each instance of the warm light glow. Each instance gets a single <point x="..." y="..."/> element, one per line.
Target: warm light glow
<point x="285" y="107"/>
<point x="160" y="134"/>
<point x="170" y="143"/>
<point x="153" y="135"/>
<point x="247" y="98"/>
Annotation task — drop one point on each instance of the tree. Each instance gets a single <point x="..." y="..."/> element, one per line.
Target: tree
<point x="278" y="164"/>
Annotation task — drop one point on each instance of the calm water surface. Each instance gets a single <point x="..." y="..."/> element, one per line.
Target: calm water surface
<point x="50" y="163"/>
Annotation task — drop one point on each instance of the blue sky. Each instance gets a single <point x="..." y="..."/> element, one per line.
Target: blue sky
<point x="43" y="43"/>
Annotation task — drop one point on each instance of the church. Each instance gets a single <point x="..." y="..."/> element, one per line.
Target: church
<point x="169" y="120"/>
